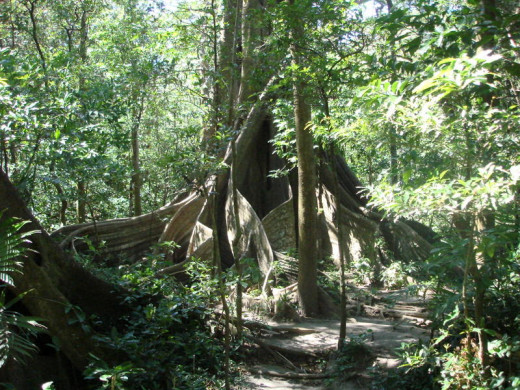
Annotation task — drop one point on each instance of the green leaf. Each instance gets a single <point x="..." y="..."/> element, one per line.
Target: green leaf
<point x="406" y="175"/>
<point x="425" y="85"/>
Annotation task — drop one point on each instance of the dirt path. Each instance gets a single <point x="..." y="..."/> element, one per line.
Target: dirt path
<point x="306" y="347"/>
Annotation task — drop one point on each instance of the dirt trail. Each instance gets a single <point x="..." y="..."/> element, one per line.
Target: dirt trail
<point x="308" y="344"/>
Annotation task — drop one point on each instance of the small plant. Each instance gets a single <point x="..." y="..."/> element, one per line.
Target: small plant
<point x="362" y="270"/>
<point x="418" y="371"/>
<point x="353" y="355"/>
<point x="451" y="362"/>
<point x="111" y="377"/>
<point x="395" y="275"/>
<point x="251" y="274"/>
<point x="285" y="309"/>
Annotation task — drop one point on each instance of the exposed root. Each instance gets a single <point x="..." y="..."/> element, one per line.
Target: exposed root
<point x="291" y="375"/>
<point x="291" y="351"/>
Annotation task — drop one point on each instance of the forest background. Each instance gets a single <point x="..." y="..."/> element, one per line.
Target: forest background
<point x="112" y="109"/>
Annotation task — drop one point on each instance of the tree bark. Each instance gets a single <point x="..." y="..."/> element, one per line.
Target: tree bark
<point x="30" y="5"/>
<point x="307" y="212"/>
<point x="236" y="240"/>
<point x="137" y="177"/>
<point x="394" y="171"/>
<point x="61" y="195"/>
<point x="81" y="210"/>
<point x="81" y="206"/>
<point x="248" y="37"/>
<point x="4" y="155"/>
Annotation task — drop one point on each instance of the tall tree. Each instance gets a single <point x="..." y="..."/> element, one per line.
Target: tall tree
<point x="307" y="204"/>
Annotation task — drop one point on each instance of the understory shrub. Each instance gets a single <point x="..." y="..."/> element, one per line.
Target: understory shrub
<point x="170" y="341"/>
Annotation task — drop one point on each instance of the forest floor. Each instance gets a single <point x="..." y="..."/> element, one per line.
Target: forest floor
<point x="302" y="355"/>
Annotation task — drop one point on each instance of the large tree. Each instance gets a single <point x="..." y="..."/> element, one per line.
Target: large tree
<point x="268" y="213"/>
<point x="253" y="212"/>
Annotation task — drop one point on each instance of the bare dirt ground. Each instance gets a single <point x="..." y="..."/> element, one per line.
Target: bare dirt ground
<point x="298" y="355"/>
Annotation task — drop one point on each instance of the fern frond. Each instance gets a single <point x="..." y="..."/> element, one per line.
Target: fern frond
<point x="15" y="329"/>
<point x="13" y="246"/>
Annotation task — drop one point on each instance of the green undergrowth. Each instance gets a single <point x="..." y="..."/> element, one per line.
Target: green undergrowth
<point x="171" y="339"/>
<point x="353" y="357"/>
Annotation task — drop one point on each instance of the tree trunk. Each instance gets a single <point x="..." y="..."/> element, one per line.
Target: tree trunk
<point x="394" y="170"/>
<point x="307" y="209"/>
<point x="81" y="206"/>
<point x="236" y="241"/>
<point x="339" y="229"/>
<point x="4" y="155"/>
<point x="61" y="194"/>
<point x="249" y="34"/>
<point x="81" y="185"/>
<point x="137" y="178"/>
<point x="63" y="202"/>
<point x="54" y="282"/>
<point x="30" y="5"/>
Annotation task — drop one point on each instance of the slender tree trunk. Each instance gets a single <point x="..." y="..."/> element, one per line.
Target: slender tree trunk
<point x="4" y="155"/>
<point x="81" y="210"/>
<point x="211" y="129"/>
<point x="228" y="64"/>
<point x="236" y="240"/>
<point x="466" y="226"/>
<point x="370" y="163"/>
<point x="247" y="46"/>
<point x="83" y="43"/>
<point x="30" y="5"/>
<point x="81" y="207"/>
<point x="341" y="254"/>
<point x="517" y="213"/>
<point x="137" y="177"/>
<point x="13" y="153"/>
<point x="338" y="225"/>
<point x="212" y="197"/>
<point x="392" y="136"/>
<point x="339" y="229"/>
<point x="478" y="300"/>
<point x="225" y="77"/>
<point x="394" y="170"/>
<point x="307" y="213"/>
<point x="61" y="195"/>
